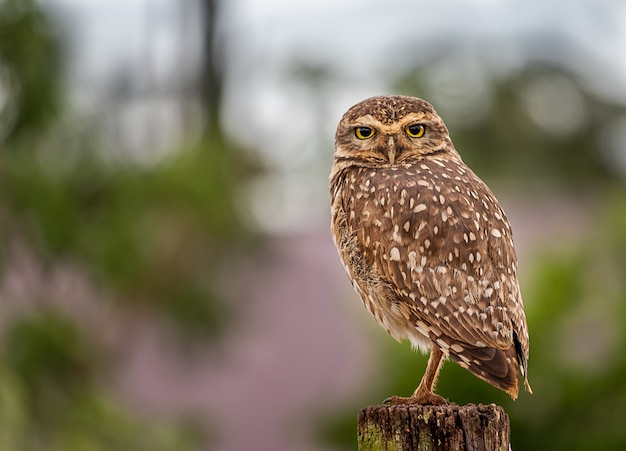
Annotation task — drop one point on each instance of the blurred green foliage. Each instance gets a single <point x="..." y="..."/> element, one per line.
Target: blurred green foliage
<point x="539" y="122"/>
<point x="49" y="399"/>
<point x="578" y="319"/>
<point x="150" y="239"/>
<point x="154" y="235"/>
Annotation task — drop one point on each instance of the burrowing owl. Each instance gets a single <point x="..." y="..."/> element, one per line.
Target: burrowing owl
<point x="425" y="243"/>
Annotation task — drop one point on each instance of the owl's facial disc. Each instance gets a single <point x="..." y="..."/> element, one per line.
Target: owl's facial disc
<point x="390" y="141"/>
<point x="391" y="134"/>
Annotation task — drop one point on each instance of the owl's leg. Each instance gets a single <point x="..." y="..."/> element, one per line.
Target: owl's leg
<point x="424" y="393"/>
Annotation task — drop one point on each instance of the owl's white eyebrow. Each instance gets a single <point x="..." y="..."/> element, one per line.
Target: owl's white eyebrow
<point x="370" y="121"/>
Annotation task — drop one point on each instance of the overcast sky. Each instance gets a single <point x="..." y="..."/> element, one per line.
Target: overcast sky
<point x="356" y="35"/>
<point x="362" y="42"/>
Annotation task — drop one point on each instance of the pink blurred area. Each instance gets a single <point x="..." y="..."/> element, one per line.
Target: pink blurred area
<point x="298" y="348"/>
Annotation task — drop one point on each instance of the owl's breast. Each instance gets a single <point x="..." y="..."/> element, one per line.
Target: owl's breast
<point x="360" y="225"/>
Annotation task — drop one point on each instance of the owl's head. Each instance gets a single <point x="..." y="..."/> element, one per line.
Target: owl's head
<point x="388" y="130"/>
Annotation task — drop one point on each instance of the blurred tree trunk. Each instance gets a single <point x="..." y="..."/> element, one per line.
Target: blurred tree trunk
<point x="29" y="47"/>
<point x="211" y="76"/>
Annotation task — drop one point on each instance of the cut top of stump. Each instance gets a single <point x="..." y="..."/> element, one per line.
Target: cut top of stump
<point x="434" y="428"/>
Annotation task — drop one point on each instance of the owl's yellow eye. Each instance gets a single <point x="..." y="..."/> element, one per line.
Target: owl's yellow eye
<point x="364" y="132"/>
<point x="415" y="130"/>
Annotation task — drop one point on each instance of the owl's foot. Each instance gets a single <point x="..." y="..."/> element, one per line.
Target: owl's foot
<point x="421" y="398"/>
<point x="424" y="395"/>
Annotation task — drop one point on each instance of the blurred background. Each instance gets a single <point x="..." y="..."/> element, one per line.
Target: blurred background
<point x="167" y="276"/>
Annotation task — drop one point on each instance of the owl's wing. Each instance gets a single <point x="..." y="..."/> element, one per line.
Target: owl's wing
<point x="445" y="247"/>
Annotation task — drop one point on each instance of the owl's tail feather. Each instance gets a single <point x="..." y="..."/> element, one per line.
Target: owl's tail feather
<point x="495" y="366"/>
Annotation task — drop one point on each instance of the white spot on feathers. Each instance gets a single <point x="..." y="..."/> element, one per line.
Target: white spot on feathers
<point x="394" y="254"/>
<point x="396" y="234"/>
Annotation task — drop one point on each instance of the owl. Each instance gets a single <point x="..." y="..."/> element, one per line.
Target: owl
<point x="426" y="244"/>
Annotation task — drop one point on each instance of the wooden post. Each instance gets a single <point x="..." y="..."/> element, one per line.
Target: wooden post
<point x="433" y="428"/>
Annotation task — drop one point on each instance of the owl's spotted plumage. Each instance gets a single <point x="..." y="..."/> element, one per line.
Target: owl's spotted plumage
<point x="425" y="243"/>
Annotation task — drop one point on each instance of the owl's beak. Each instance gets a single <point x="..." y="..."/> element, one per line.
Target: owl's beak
<point x="391" y="150"/>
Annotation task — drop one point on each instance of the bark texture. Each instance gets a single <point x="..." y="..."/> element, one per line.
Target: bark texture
<point x="429" y="428"/>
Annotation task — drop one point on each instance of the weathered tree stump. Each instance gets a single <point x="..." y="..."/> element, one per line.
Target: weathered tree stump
<point x="433" y="428"/>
